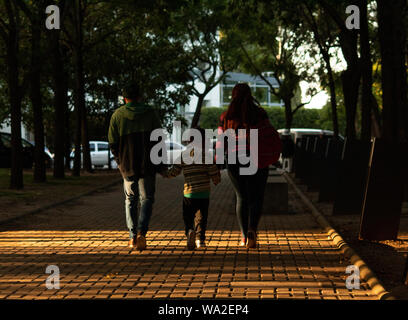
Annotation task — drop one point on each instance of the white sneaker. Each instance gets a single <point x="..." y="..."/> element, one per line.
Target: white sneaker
<point x="191" y="240"/>
<point x="200" y="244"/>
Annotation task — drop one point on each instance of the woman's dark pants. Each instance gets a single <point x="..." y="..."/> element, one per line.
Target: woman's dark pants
<point x="249" y="191"/>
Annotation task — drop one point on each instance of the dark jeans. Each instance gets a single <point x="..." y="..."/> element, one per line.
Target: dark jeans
<point x="249" y="191"/>
<point x="139" y="194"/>
<point x="195" y="215"/>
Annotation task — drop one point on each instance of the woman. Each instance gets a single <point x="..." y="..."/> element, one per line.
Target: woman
<point x="244" y="112"/>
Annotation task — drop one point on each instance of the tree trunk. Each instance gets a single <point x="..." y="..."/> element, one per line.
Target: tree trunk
<point x="15" y="96"/>
<point x="80" y="88"/>
<point x="392" y="36"/>
<point x="333" y="99"/>
<point x="288" y="112"/>
<point x="367" y="67"/>
<point x="60" y="93"/>
<point x="197" y="113"/>
<point x="68" y="140"/>
<point x="376" y="118"/>
<point x="85" y="137"/>
<point x="350" y="79"/>
<point x="78" y="125"/>
<point x="36" y="100"/>
<point x="324" y="51"/>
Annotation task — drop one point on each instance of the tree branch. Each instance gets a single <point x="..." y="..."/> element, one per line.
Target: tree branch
<point x="257" y="70"/>
<point x="10" y="14"/>
<point x="23" y="6"/>
<point x="334" y="14"/>
<point x="3" y="29"/>
<point x="305" y="103"/>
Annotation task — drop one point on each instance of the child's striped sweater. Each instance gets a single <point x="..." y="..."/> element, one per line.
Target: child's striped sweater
<point x="196" y="178"/>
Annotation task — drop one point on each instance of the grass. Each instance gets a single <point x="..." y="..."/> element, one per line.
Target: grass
<point x="52" y="190"/>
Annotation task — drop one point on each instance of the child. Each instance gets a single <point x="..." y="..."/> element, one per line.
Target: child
<point x="196" y="195"/>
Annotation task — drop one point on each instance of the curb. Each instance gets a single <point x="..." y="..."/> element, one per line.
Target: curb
<point x="365" y="272"/>
<point x="56" y="204"/>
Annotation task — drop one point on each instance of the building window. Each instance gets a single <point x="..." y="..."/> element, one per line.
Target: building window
<point x="261" y="94"/>
<point x="227" y="94"/>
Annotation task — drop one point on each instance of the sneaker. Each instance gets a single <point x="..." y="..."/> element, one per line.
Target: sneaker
<point x="251" y="239"/>
<point x="200" y="244"/>
<point x="132" y="243"/>
<point x="141" y="242"/>
<point x="191" y="240"/>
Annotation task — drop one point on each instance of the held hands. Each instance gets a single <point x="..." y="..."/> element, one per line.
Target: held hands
<point x="164" y="172"/>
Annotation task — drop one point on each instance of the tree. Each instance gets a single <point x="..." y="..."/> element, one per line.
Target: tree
<point x="35" y="13"/>
<point x="10" y="32"/>
<point x="324" y="42"/>
<point x="270" y="44"/>
<point x="392" y="35"/>
<point x="367" y="69"/>
<point x="85" y="21"/>
<point x="143" y="47"/>
<point x="81" y="135"/>
<point x="200" y="24"/>
<point x="59" y="59"/>
<point x="348" y="40"/>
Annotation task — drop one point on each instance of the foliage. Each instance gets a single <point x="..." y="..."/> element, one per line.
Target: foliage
<point x="304" y="118"/>
<point x="210" y="117"/>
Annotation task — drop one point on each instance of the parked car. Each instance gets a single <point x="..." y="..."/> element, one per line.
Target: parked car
<point x="100" y="155"/>
<point x="296" y="133"/>
<point x="49" y="157"/>
<point x="174" y="151"/>
<point x="27" y="152"/>
<point x="299" y="132"/>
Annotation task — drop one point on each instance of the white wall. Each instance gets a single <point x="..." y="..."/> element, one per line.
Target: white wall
<point x="212" y="99"/>
<point x="25" y="134"/>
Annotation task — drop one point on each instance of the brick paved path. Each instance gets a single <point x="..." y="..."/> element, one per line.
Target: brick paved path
<point x="87" y="240"/>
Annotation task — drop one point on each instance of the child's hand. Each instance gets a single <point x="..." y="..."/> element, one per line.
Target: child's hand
<point x="164" y="173"/>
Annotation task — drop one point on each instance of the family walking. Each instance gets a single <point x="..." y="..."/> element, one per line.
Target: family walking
<point x="129" y="138"/>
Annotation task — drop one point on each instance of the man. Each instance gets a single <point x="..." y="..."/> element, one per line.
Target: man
<point x="129" y="139"/>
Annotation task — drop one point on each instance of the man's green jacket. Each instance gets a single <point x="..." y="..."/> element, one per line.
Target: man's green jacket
<point x="129" y="138"/>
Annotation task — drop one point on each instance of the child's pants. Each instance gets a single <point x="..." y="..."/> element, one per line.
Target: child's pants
<point x="195" y="214"/>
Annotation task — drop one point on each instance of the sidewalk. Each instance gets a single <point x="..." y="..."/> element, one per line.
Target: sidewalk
<point x="87" y="240"/>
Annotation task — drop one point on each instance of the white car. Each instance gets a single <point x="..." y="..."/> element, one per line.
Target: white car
<point x="100" y="155"/>
<point x="174" y="150"/>
<point x="299" y="132"/>
<point x="296" y="133"/>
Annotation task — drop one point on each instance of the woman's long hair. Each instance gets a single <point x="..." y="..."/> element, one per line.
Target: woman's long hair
<point x="243" y="110"/>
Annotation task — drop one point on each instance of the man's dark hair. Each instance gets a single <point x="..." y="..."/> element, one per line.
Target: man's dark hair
<point x="131" y="91"/>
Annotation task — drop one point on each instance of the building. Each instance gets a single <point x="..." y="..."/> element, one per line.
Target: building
<point x="25" y="133"/>
<point x="220" y="95"/>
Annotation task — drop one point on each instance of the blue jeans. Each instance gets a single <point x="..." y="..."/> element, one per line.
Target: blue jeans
<point x="139" y="191"/>
<point x="249" y="191"/>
